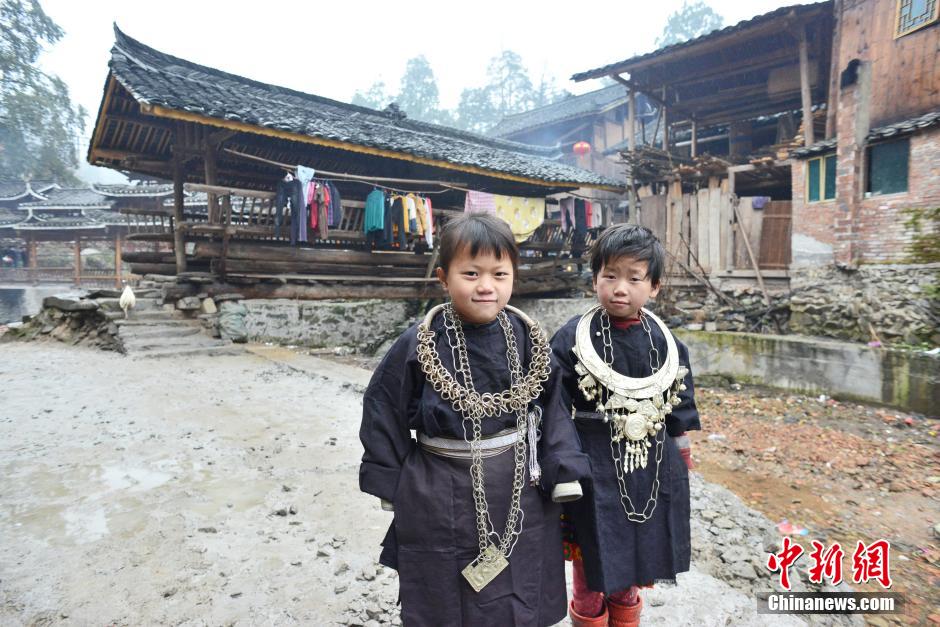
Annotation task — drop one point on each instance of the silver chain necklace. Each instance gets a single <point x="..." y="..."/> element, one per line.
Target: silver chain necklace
<point x="635" y="409"/>
<point x="494" y="549"/>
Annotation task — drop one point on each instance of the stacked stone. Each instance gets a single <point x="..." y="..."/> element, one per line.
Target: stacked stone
<point x="743" y="309"/>
<point x="83" y="321"/>
<point x="891" y="303"/>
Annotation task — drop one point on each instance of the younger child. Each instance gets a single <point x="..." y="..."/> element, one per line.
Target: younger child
<point x="473" y="539"/>
<point x="625" y="380"/>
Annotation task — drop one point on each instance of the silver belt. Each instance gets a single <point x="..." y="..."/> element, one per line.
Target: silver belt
<point x="451" y="447"/>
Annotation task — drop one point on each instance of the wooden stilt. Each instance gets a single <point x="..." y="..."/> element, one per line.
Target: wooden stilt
<point x="807" y="96"/>
<point x="78" y="261"/>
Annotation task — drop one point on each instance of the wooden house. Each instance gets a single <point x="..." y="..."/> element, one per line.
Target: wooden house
<point x="803" y="136"/>
<point x="233" y="139"/>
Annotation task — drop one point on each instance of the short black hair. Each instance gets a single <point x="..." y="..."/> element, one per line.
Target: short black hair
<point x="629" y="240"/>
<point x="482" y="233"/>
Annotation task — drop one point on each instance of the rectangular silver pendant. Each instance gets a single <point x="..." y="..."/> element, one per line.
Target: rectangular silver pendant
<point x="485" y="568"/>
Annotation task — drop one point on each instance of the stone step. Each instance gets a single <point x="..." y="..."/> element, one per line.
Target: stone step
<point x="225" y="349"/>
<point x="137" y="345"/>
<point x="142" y="304"/>
<point x="161" y="314"/>
<point x="136" y="332"/>
<point x="155" y="321"/>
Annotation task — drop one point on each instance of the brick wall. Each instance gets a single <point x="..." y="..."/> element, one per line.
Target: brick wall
<point x="812" y="220"/>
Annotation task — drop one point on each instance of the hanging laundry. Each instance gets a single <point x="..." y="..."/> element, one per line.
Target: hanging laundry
<point x="479" y="202"/>
<point x="524" y="215"/>
<point x="299" y="220"/>
<point x="412" y="219"/>
<point x="336" y="206"/>
<point x="395" y="222"/>
<point x="289" y="192"/>
<point x="567" y="213"/>
<point x="374" y="219"/>
<point x="323" y="202"/>
<point x="580" y="228"/>
<point x="312" y="205"/>
<point x="428" y="232"/>
<point x="588" y="214"/>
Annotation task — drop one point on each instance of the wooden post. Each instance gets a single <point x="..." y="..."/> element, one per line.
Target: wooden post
<point x="78" y="260"/>
<point x="33" y="252"/>
<point x="665" y="122"/>
<point x="694" y="144"/>
<point x="808" y="138"/>
<point x="631" y="146"/>
<point x="211" y="172"/>
<point x="118" y="261"/>
<point x="179" y="244"/>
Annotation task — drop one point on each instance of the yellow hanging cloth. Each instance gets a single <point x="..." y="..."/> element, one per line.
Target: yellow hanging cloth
<point x="524" y="215"/>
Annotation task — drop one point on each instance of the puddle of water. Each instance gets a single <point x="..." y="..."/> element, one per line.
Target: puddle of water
<point x="86" y="525"/>
<point x="133" y="479"/>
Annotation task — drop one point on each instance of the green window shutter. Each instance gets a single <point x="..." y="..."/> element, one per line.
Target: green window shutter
<point x="813" y="176"/>
<point x="887" y="167"/>
<point x="830" y="187"/>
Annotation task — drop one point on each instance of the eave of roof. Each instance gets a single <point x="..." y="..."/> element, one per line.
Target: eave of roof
<point x="173" y="88"/>
<point x="898" y="129"/>
<point x="674" y="50"/>
<point x="591" y="103"/>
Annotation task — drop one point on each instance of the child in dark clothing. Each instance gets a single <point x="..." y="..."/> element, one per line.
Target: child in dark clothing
<point x="466" y="494"/>
<point x="626" y="382"/>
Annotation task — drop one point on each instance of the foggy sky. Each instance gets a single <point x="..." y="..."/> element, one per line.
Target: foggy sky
<point x="332" y="49"/>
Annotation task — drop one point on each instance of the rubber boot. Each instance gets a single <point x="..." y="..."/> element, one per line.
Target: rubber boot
<point x="625" y="615"/>
<point x="586" y="621"/>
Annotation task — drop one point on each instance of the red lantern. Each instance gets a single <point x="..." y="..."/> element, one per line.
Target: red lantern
<point x="581" y="148"/>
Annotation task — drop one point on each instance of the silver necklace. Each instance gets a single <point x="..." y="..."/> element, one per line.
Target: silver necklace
<point x="494" y="550"/>
<point x="635" y="408"/>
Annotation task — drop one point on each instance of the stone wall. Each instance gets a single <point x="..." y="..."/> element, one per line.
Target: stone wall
<point x="904" y="379"/>
<point x="363" y="324"/>
<point x="896" y="300"/>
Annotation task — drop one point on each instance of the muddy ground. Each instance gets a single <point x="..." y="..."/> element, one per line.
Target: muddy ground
<point x="223" y="491"/>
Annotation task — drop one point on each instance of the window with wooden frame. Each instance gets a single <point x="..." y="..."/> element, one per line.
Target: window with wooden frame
<point x="914" y="15"/>
<point x="821" y="178"/>
<point x="887" y="167"/>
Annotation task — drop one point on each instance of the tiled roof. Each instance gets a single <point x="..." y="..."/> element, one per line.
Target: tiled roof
<point x="14" y="190"/>
<point x="134" y="191"/>
<point x="623" y="66"/>
<point x="155" y="78"/>
<point x="70" y="198"/>
<point x="905" y="127"/>
<point x="575" y="106"/>
<point x="35" y="222"/>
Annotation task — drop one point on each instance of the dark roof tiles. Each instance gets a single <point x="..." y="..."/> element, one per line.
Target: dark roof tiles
<point x="157" y="78"/>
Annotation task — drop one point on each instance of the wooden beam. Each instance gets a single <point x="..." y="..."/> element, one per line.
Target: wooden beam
<point x="694" y="144"/>
<point x="179" y="242"/>
<point x="807" y="97"/>
<point x="78" y="260"/>
<point x="267" y="252"/>
<point x="118" y="260"/>
<point x="222" y="190"/>
<point x="665" y="110"/>
<point x="209" y="160"/>
<point x="631" y="145"/>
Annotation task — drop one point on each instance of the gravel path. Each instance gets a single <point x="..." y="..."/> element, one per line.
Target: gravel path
<point x="223" y="491"/>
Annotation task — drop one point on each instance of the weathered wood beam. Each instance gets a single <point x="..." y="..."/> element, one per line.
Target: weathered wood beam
<point x="262" y="252"/>
<point x="805" y="93"/>
<point x="222" y="190"/>
<point x="631" y="145"/>
<point x="179" y="242"/>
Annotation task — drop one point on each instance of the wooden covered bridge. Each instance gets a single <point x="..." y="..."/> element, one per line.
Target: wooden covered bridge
<point x="233" y="139"/>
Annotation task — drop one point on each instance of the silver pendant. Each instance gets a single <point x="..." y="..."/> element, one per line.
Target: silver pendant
<point x="485" y="568"/>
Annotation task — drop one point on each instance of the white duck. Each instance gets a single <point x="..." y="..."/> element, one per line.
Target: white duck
<point x="127" y="300"/>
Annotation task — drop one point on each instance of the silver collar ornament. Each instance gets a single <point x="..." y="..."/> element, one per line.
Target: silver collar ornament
<point x="635" y="407"/>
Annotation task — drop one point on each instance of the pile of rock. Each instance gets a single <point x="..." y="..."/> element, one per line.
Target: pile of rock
<point x="77" y="321"/>
<point x="890" y="303"/>
<point x="741" y="309"/>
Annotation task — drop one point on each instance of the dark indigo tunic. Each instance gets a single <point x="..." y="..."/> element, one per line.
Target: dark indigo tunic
<point x="619" y="553"/>
<point x="433" y="535"/>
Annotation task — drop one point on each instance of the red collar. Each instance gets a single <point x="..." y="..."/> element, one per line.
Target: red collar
<point x="624" y="323"/>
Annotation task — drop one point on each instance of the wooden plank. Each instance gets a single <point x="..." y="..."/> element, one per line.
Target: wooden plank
<point x="714" y="225"/>
<point x="690" y="225"/>
<point x="806" y="96"/>
<point x="775" y="237"/>
<point x="701" y="230"/>
<point x="222" y="190"/>
<point x="726" y="235"/>
<point x="742" y="229"/>
<point x="268" y="252"/>
<point x="179" y="243"/>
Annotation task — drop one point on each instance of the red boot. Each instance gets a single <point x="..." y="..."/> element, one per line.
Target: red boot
<point x="625" y="615"/>
<point x="586" y="621"/>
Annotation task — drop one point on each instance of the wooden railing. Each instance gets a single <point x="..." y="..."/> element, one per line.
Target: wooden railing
<point x="60" y="276"/>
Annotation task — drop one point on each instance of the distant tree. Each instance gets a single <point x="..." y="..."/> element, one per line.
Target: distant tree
<point x="693" y="20"/>
<point x="476" y="111"/>
<point x="548" y="92"/>
<point x="376" y="97"/>
<point x="417" y="93"/>
<point x="39" y="126"/>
